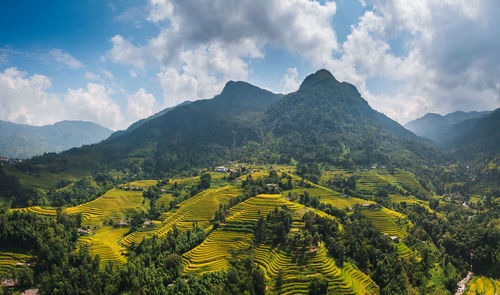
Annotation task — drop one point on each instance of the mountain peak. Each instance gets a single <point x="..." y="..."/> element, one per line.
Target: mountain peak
<point x="320" y="76"/>
<point x="232" y="86"/>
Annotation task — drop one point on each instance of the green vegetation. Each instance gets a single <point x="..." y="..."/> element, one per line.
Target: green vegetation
<point x="483" y="285"/>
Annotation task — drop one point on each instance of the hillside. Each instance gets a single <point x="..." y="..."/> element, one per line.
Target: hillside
<point x="443" y="129"/>
<point x="481" y="140"/>
<point x="324" y="120"/>
<point x="328" y="121"/>
<point x="234" y="231"/>
<point x="25" y="141"/>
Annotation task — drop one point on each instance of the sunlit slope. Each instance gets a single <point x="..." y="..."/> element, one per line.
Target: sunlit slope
<point x="297" y="275"/>
<point x="198" y="209"/>
<point x="113" y="203"/>
<point x="483" y="285"/>
<point x="214" y="253"/>
<point x="106" y="243"/>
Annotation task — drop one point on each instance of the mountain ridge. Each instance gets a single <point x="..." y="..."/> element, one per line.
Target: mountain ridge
<point x="324" y="120"/>
<point x="25" y="141"/>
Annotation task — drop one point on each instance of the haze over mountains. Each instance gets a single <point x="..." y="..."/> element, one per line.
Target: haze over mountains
<point x="468" y="134"/>
<point x="25" y="141"/>
<point x="442" y="129"/>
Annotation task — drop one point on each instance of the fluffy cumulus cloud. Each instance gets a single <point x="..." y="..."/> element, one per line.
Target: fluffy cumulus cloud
<point x="202" y="44"/>
<point x="140" y="105"/>
<point x="450" y="60"/>
<point x="93" y="103"/>
<point x="290" y="82"/>
<point x="27" y="99"/>
<point x="406" y="57"/>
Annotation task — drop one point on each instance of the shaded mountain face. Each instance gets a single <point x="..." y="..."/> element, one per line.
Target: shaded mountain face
<point x="444" y="129"/>
<point x="481" y="138"/>
<point x="25" y="141"/>
<point x="324" y="120"/>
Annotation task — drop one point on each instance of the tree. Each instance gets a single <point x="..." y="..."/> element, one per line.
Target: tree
<point x="318" y="286"/>
<point x="205" y="179"/>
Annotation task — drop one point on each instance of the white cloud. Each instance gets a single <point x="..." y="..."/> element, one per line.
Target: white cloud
<point x="140" y="105"/>
<point x="107" y="74"/>
<point x="92" y="76"/>
<point x="60" y="59"/>
<point x="450" y="61"/>
<point x="27" y="99"/>
<point x="93" y="103"/>
<point x="290" y="82"/>
<point x="202" y="44"/>
<point x="132" y="74"/>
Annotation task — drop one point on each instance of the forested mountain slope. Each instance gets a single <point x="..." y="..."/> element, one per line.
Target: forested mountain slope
<point x="324" y="120"/>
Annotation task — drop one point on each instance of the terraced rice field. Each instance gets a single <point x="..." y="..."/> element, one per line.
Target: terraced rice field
<point x="106" y="243"/>
<point x="388" y="222"/>
<point x="8" y="261"/>
<point x="214" y="253"/>
<point x="331" y="197"/>
<point x="199" y="209"/>
<point x="297" y="276"/>
<point x="237" y="234"/>
<point x="143" y="183"/>
<point x="164" y="200"/>
<point x="114" y="202"/>
<point x="253" y="208"/>
<point x="406" y="253"/>
<point x="483" y="285"/>
<point x="378" y="178"/>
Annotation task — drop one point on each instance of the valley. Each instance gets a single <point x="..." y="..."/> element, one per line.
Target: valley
<point x="251" y="192"/>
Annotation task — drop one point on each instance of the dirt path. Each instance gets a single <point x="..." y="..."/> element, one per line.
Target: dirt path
<point x="462" y="285"/>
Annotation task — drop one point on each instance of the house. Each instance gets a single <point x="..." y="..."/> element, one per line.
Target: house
<point x="123" y="223"/>
<point x="221" y="169"/>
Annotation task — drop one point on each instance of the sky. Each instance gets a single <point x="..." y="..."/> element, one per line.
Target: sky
<point x="115" y="62"/>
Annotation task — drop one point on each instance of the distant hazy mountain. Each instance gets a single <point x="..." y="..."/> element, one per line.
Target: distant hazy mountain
<point x="25" y="141"/>
<point x="444" y="129"/>
<point x="324" y="120"/>
<point x="479" y="140"/>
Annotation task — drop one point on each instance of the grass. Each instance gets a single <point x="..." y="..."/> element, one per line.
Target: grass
<point x="8" y="261"/>
<point x="106" y="243"/>
<point x="44" y="179"/>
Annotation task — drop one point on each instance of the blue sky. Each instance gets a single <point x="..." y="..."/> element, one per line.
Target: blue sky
<point x="114" y="62"/>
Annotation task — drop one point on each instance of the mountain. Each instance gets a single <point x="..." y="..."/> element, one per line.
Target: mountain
<point x="325" y="117"/>
<point x="25" y="141"/>
<point x="142" y="121"/>
<point x="324" y="120"/>
<point x="480" y="139"/>
<point x="443" y="129"/>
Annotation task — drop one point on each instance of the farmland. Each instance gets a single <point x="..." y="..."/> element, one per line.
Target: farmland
<point x="234" y="237"/>
<point x="483" y="285"/>
<point x="115" y="203"/>
<point x="9" y="260"/>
